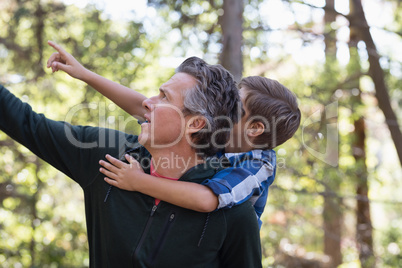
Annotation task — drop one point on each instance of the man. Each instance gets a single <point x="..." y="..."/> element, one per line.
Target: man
<point x="129" y="229"/>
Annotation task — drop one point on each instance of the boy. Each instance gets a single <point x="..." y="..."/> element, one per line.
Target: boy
<point x="271" y="117"/>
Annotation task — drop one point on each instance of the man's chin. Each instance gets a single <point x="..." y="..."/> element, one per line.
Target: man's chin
<point x="143" y="139"/>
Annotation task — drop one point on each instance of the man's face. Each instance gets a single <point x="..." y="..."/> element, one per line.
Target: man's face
<point x="165" y="123"/>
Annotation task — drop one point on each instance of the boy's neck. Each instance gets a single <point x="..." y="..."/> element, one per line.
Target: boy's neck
<point x="238" y="149"/>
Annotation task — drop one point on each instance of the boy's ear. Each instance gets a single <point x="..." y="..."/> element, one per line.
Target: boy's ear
<point x="195" y="124"/>
<point x="255" y="129"/>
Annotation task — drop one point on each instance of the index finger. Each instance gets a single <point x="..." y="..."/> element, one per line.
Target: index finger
<point x="57" y="47"/>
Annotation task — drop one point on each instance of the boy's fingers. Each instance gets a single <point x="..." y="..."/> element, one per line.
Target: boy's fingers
<point x="108" y="173"/>
<point x="111" y="182"/>
<point x="109" y="166"/>
<point x="50" y="60"/>
<point x="54" y="57"/>
<point x="115" y="161"/>
<point x="59" y="66"/>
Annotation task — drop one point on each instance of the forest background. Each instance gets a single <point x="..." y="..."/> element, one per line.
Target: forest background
<point x="336" y="198"/>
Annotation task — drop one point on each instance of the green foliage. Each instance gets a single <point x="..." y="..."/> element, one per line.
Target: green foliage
<point x="391" y="241"/>
<point x="42" y="220"/>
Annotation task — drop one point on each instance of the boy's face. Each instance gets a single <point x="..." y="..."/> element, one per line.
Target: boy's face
<point x="239" y="141"/>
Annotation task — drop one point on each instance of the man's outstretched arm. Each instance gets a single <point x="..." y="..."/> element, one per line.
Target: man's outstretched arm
<point x="74" y="150"/>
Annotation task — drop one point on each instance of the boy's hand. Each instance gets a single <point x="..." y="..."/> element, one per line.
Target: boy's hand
<point x="120" y="174"/>
<point x="62" y="60"/>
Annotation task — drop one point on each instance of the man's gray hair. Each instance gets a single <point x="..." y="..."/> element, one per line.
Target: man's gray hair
<point x="216" y="98"/>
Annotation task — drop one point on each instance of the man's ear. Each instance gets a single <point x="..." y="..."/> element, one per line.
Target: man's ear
<point x="255" y="129"/>
<point x="195" y="124"/>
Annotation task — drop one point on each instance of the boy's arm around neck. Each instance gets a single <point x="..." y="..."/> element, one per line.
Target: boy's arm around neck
<point x="184" y="194"/>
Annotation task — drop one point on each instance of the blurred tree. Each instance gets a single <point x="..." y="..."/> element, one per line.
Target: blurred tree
<point x="358" y="20"/>
<point x="199" y="21"/>
<point x="332" y="213"/>
<point x="364" y="228"/>
<point x="232" y="35"/>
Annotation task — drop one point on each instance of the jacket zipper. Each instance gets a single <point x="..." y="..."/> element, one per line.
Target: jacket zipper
<point x="144" y="234"/>
<point x="162" y="238"/>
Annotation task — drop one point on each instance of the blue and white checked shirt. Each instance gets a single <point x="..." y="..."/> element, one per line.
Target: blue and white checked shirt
<point x="249" y="178"/>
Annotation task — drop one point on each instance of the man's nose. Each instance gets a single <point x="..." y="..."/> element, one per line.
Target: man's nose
<point x="149" y="103"/>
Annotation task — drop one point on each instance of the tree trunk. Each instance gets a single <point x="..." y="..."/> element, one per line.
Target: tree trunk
<point x="364" y="228"/>
<point x="332" y="227"/>
<point x="232" y="30"/>
<point x="332" y="214"/>
<point x="358" y="20"/>
<point x="329" y="33"/>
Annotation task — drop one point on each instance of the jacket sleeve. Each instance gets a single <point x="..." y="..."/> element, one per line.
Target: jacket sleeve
<point x="242" y="245"/>
<point x="74" y="150"/>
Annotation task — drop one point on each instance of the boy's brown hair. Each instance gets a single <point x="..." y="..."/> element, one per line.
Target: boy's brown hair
<point x="271" y="103"/>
